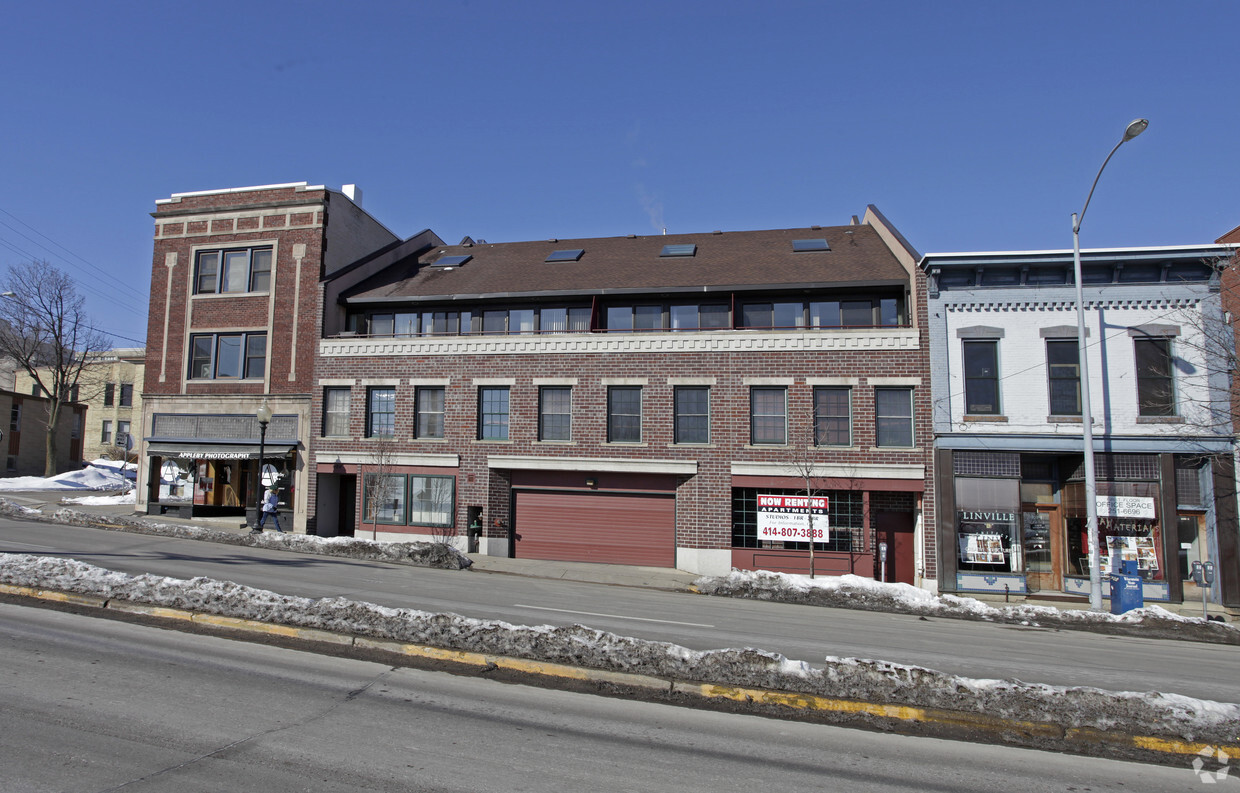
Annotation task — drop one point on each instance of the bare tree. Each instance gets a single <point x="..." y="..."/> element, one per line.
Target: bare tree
<point x="1197" y="381"/>
<point x="805" y="459"/>
<point x="45" y="331"/>
<point x="378" y="484"/>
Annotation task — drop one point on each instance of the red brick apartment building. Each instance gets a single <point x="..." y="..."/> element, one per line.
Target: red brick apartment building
<point x="621" y="400"/>
<point x="233" y="324"/>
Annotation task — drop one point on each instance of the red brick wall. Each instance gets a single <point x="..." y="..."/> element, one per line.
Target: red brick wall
<point x="265" y="215"/>
<point x="703" y="501"/>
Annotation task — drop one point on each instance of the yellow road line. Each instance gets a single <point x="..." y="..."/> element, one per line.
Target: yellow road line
<point x="790" y="700"/>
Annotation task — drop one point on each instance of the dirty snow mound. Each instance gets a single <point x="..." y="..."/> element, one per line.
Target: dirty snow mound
<point x="1172" y="716"/>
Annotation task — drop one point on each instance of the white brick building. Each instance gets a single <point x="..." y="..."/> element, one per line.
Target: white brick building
<point x="1007" y="419"/>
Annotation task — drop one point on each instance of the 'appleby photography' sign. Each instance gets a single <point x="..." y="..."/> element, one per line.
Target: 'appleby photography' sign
<point x="788" y="518"/>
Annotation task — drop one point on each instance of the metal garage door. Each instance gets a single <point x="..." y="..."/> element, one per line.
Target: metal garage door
<point x="611" y="528"/>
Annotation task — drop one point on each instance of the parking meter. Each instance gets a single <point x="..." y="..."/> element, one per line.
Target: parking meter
<point x="1203" y="577"/>
<point x="882" y="557"/>
<point x="1203" y="573"/>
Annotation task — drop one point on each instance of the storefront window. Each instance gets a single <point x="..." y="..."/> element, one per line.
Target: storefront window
<point x="176" y="478"/>
<point x="986" y="525"/>
<point x="383" y="498"/>
<point x="1129" y="528"/>
<point x="223" y="485"/>
<point x="844" y="516"/>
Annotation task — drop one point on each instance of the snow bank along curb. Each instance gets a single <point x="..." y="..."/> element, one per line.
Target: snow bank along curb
<point x="855" y="592"/>
<point x="421" y="554"/>
<point x="1161" y="727"/>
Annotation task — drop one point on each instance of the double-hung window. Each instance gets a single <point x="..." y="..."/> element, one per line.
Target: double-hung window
<point x="227" y="356"/>
<point x="624" y="414"/>
<point x="428" y="405"/>
<point x="555" y="413"/>
<point x="832" y="416"/>
<point x="126" y="395"/>
<point x="692" y="419"/>
<point x="1155" y="377"/>
<point x="234" y="270"/>
<point x="768" y="415"/>
<point x="109" y="394"/>
<point x="893" y="417"/>
<point x="336" y="405"/>
<point x="106" y="436"/>
<point x="1063" y="374"/>
<point x="381" y="412"/>
<point x="493" y="413"/>
<point x="981" y="377"/>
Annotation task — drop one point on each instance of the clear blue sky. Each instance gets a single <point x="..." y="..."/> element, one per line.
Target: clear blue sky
<point x="971" y="125"/>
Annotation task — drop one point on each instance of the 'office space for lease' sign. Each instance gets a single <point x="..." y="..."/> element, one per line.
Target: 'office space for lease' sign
<point x="792" y="518"/>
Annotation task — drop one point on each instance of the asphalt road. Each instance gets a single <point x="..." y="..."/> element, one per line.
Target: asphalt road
<point x="99" y="705"/>
<point x="800" y="632"/>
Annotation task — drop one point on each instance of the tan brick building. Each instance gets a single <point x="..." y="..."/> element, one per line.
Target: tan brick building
<point x="110" y="390"/>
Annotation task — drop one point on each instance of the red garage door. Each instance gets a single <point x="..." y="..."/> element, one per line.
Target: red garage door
<point x="611" y="528"/>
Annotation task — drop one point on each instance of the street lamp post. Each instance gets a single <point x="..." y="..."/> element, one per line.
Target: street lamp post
<point x="264" y="418"/>
<point x="1091" y="483"/>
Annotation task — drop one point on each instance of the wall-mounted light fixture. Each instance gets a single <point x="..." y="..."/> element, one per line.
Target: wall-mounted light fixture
<point x="591" y="482"/>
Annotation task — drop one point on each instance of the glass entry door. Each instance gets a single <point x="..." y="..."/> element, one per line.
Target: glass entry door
<point x="1194" y="547"/>
<point x="1043" y="541"/>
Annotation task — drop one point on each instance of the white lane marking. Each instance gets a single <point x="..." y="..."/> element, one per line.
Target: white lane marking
<point x="27" y="545"/>
<point x="613" y="616"/>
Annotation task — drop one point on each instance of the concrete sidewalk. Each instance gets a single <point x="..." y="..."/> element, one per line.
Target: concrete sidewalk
<point x="614" y="574"/>
<point x="669" y="579"/>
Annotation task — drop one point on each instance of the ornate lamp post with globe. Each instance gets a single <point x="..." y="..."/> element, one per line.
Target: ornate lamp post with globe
<point x="264" y="418"/>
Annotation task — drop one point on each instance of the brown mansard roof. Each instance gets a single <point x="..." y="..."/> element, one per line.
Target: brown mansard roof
<point x="723" y="261"/>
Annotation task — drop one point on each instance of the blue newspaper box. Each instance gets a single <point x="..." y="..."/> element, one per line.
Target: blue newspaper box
<point x="1126" y="592"/>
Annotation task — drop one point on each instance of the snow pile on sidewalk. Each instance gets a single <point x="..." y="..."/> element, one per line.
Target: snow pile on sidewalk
<point x="422" y="554"/>
<point x="855" y="592"/>
<point x="102" y="501"/>
<point x="92" y="477"/>
<point x="120" y="467"/>
<point x="1155" y="714"/>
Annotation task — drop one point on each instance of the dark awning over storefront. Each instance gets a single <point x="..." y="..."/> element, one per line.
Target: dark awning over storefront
<point x="215" y="451"/>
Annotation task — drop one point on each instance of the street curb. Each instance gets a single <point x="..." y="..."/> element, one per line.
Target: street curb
<point x="906" y="719"/>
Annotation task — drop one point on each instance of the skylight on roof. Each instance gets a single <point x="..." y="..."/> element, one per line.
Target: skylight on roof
<point x="800" y="246"/>
<point x="567" y="255"/>
<point x="679" y="250"/>
<point x="451" y="261"/>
